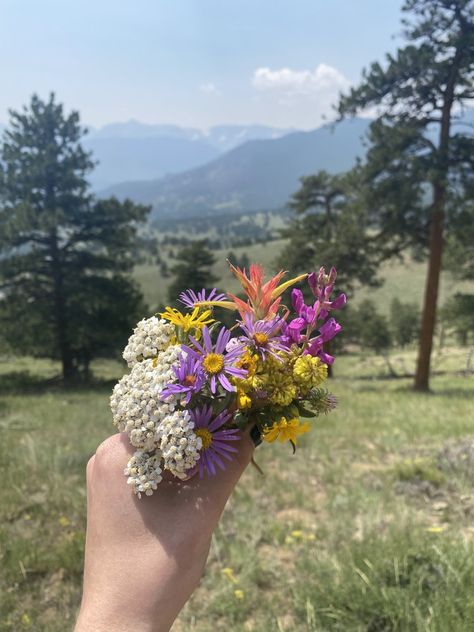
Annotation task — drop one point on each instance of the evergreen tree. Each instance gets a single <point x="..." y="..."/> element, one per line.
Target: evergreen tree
<point x="64" y="256"/>
<point x="404" y="322"/>
<point x="419" y="165"/>
<point x="331" y="228"/>
<point x="193" y="269"/>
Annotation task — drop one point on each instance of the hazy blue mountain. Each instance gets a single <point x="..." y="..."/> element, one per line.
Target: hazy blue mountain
<point x="260" y="174"/>
<point x="227" y="137"/>
<point x="224" y="137"/>
<point x="122" y="158"/>
<point x="135" y="129"/>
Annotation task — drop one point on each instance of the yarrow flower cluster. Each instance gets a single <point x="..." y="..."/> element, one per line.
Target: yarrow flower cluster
<point x="195" y="386"/>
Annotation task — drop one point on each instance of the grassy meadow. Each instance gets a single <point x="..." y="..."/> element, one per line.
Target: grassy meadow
<point x="404" y="279"/>
<point x="369" y="527"/>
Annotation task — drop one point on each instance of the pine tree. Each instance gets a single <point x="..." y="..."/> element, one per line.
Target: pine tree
<point x="193" y="269"/>
<point x="64" y="256"/>
<point x="331" y="228"/>
<point x="418" y="162"/>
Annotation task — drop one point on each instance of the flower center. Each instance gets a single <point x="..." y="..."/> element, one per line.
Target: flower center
<point x="206" y="437"/>
<point x="260" y="339"/>
<point x="189" y="380"/>
<point x="213" y="363"/>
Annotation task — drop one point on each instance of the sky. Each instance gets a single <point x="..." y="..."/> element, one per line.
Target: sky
<point x="193" y="63"/>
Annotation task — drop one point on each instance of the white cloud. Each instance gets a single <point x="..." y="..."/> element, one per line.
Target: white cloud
<point x="324" y="81"/>
<point x="210" y="88"/>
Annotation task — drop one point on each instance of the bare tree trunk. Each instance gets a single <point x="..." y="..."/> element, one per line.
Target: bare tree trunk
<point x="68" y="368"/>
<point x="428" y="320"/>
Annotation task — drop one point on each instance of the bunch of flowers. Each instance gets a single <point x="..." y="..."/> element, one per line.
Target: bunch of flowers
<point x="194" y="386"/>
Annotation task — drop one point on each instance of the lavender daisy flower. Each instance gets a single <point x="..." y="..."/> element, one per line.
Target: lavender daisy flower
<point x="190" y="297"/>
<point x="263" y="335"/>
<point x="214" y="441"/>
<point x="216" y="361"/>
<point x="190" y="376"/>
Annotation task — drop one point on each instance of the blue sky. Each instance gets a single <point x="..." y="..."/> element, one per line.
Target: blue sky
<point x="191" y="62"/>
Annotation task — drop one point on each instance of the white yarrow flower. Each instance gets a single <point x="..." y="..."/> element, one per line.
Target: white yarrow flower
<point x="150" y="336"/>
<point x="163" y="435"/>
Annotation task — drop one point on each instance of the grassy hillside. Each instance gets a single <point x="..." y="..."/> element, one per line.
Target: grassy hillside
<point x="403" y="279"/>
<point x="367" y="527"/>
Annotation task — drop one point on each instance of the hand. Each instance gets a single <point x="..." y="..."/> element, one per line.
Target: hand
<point x="145" y="557"/>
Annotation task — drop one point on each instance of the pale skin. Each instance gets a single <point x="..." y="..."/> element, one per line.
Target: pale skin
<point x="144" y="558"/>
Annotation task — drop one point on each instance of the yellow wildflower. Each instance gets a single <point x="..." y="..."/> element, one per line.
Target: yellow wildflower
<point x="249" y="362"/>
<point x="25" y="620"/>
<point x="196" y="320"/>
<point x="64" y="522"/>
<point x="243" y="400"/>
<point x="239" y="594"/>
<point x="286" y="430"/>
<point x="309" y="372"/>
<point x="229" y="574"/>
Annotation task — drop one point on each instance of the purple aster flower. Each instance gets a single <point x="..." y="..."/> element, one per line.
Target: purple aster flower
<point x="263" y="335"/>
<point x="215" y="440"/>
<point x="217" y="362"/>
<point x="190" y="376"/>
<point x="190" y="297"/>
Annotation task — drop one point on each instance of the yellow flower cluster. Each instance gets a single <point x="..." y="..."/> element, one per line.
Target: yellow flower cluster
<point x="281" y="381"/>
<point x="309" y="372"/>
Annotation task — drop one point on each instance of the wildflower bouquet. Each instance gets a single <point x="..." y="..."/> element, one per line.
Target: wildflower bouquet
<point x="195" y="386"/>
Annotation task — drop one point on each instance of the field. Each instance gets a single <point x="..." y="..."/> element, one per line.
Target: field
<point x="404" y="279"/>
<point x="369" y="527"/>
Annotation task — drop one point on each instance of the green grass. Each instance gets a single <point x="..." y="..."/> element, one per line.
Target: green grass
<point x="368" y="527"/>
<point x="404" y="279"/>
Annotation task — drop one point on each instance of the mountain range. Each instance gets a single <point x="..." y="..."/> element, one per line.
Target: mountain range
<point x="139" y="151"/>
<point x="259" y="174"/>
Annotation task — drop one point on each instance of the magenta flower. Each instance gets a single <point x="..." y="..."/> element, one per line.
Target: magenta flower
<point x="322" y="286"/>
<point x="326" y="332"/>
<point x="215" y="442"/>
<point x="190" y="376"/>
<point x="190" y="297"/>
<point x="216" y="361"/>
<point x="263" y="335"/>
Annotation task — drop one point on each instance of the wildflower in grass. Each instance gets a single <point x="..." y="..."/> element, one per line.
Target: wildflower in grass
<point x="436" y="529"/>
<point x="239" y="594"/>
<point x="229" y="574"/>
<point x="215" y="439"/>
<point x="309" y="372"/>
<point x="217" y="362"/>
<point x="263" y="335"/>
<point x="190" y="297"/>
<point x="26" y="620"/>
<point x="64" y="521"/>
<point x="285" y="430"/>
<point x="192" y="322"/>
<point x="190" y="378"/>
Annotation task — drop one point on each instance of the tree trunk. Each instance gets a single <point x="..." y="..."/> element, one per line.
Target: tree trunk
<point x="428" y="320"/>
<point x="65" y="353"/>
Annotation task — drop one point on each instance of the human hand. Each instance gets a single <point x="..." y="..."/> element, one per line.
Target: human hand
<point x="145" y="557"/>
